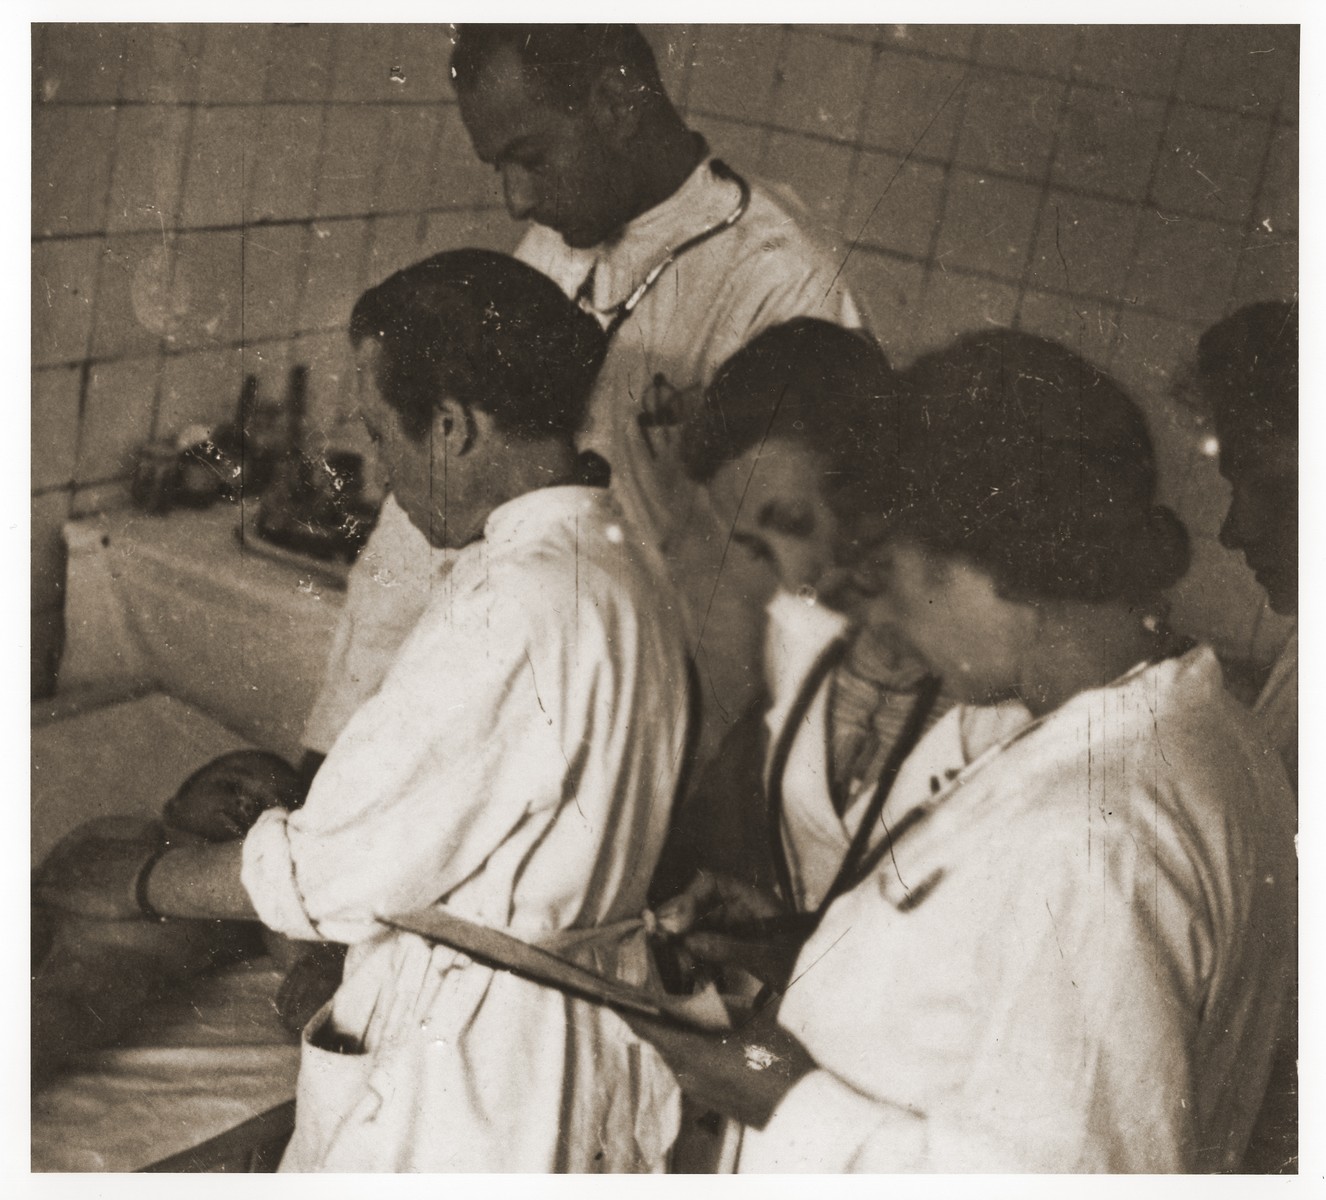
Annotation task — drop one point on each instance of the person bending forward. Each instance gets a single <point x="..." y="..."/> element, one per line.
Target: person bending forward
<point x="517" y="766"/>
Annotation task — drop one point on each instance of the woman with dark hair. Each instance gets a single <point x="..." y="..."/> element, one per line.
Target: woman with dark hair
<point x="1070" y="951"/>
<point x="790" y="440"/>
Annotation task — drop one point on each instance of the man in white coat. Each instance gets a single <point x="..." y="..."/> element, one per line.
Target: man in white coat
<point x="1247" y="372"/>
<point x="679" y="258"/>
<point x="517" y="766"/>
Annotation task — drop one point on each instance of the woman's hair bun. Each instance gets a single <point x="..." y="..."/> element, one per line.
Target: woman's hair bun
<point x="1028" y="460"/>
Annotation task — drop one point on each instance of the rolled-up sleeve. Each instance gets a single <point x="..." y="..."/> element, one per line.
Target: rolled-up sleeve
<point x="458" y="752"/>
<point x="268" y="875"/>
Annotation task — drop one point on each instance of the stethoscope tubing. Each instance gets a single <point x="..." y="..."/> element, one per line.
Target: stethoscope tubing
<point x="622" y="311"/>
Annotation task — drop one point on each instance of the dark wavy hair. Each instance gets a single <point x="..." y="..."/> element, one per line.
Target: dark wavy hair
<point x="488" y="331"/>
<point x="1021" y="456"/>
<point x="561" y="62"/>
<point x="808" y="381"/>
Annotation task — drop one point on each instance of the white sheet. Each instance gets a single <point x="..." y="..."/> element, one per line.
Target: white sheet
<point x="215" y="1054"/>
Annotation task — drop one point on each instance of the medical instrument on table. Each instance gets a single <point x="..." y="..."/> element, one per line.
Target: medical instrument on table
<point x="250" y="446"/>
<point x="156" y="477"/>
<point x="316" y="505"/>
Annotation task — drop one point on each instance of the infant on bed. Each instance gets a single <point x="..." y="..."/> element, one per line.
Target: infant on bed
<point x="93" y="978"/>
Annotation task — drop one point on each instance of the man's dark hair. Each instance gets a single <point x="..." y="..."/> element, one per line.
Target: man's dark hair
<point x="562" y="62"/>
<point x="807" y="381"/>
<point x="1248" y="367"/>
<point x="489" y="332"/>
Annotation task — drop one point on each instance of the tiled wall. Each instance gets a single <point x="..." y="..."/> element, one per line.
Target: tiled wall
<point x="208" y="201"/>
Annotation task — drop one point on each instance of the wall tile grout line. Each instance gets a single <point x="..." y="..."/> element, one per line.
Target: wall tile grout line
<point x="922" y="160"/>
<point x="950" y="165"/>
<point x="266" y="223"/>
<point x="99" y="277"/>
<point x="880" y="48"/>
<point x="810" y="105"/>
<point x="990" y="172"/>
<point x="401" y="102"/>
<point x="1042" y="203"/>
<point x="181" y="199"/>
<point x="1148" y="192"/>
<point x="311" y="235"/>
<point x="301" y="331"/>
<point x="858" y="149"/>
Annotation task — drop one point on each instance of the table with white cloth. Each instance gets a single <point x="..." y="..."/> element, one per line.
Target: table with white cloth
<point x="236" y="627"/>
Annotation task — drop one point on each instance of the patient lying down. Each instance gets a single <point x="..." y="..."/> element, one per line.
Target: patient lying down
<point x="93" y="977"/>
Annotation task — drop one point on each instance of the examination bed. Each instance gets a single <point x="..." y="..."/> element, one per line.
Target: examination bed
<point x="182" y="645"/>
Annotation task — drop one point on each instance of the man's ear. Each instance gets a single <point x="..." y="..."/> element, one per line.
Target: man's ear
<point x="454" y="420"/>
<point x="367" y="354"/>
<point x="615" y="103"/>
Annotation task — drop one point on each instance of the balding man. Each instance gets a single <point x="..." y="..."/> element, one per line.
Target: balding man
<point x="681" y="260"/>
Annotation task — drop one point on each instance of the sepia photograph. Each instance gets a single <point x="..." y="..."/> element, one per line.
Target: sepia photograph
<point x="664" y="598"/>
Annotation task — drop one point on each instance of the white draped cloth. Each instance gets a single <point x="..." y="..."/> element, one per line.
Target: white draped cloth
<point x="764" y="270"/>
<point x="1074" y="959"/>
<point x="518" y="766"/>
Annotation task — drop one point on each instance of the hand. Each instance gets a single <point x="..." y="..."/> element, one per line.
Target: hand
<point x="744" y="1074"/>
<point x="723" y="922"/>
<point x="713" y="901"/>
<point x="95" y="870"/>
<point x="310" y="983"/>
<point x="222" y="800"/>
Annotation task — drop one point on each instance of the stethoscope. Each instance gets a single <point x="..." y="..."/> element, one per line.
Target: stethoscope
<point x="861" y="860"/>
<point x="856" y="862"/>
<point x="618" y="314"/>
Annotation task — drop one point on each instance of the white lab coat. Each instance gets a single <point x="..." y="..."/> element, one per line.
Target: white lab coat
<point x="385" y="594"/>
<point x="517" y="766"/>
<point x="815" y="837"/>
<point x="1075" y="962"/>
<point x="764" y="270"/>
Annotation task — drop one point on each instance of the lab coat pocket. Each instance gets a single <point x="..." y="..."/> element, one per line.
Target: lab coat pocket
<point x="332" y="1094"/>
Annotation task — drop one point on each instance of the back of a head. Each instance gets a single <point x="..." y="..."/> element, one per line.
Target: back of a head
<point x="1021" y="456"/>
<point x="488" y="331"/>
<point x="1248" y="367"/>
<point x="561" y="61"/>
<point x="806" y="381"/>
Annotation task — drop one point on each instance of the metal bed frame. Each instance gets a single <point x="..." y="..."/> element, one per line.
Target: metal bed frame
<point x="255" y="1145"/>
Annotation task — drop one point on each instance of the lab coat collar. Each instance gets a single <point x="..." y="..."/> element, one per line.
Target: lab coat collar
<point x="799" y="630"/>
<point x="703" y="201"/>
<point x="1196" y="672"/>
<point x="532" y="515"/>
<point x="1193" y="679"/>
